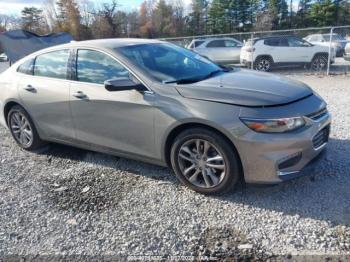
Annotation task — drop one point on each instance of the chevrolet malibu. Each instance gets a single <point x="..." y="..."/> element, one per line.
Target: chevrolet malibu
<point x="156" y="102"/>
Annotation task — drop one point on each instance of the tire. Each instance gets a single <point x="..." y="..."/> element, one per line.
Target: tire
<point x="192" y="168"/>
<point x="23" y="129"/>
<point x="319" y="62"/>
<point x="263" y="64"/>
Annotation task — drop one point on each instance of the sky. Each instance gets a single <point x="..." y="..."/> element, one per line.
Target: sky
<point x="14" y="7"/>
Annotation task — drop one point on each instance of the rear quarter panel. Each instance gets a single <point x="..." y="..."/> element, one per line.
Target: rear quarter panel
<point x="8" y="91"/>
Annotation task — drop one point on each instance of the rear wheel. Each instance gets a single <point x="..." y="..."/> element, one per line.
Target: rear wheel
<point x="263" y="64"/>
<point x="205" y="162"/>
<point x="22" y="129"/>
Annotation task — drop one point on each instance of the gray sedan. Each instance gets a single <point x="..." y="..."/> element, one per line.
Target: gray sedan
<point x="159" y="103"/>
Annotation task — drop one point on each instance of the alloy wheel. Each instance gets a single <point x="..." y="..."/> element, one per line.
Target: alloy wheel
<point x="21" y="129"/>
<point x="201" y="163"/>
<point x="264" y="65"/>
<point x="319" y="63"/>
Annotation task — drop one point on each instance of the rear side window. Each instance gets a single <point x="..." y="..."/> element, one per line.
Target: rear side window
<point x="281" y="42"/>
<point x="96" y="67"/>
<point x="230" y="43"/>
<point x="26" y="67"/>
<point x="53" y="64"/>
<point x="216" y="43"/>
<point x="272" y="42"/>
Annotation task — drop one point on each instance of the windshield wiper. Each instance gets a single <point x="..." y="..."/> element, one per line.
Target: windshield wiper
<point x="183" y="81"/>
<point x="194" y="79"/>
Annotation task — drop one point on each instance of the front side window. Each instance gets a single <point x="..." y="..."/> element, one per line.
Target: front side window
<point x="53" y="64"/>
<point x="96" y="67"/>
<point x="230" y="43"/>
<point x="26" y="67"/>
<point x="295" y="42"/>
<point x="167" y="62"/>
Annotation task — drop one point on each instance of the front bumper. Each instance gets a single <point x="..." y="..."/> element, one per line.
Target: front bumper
<point x="273" y="158"/>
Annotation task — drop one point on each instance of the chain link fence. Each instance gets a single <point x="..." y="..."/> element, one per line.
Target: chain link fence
<point x="324" y="50"/>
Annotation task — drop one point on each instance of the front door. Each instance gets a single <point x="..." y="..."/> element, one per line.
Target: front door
<point x="117" y="120"/>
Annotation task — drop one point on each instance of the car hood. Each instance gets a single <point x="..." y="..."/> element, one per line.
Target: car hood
<point x="246" y="88"/>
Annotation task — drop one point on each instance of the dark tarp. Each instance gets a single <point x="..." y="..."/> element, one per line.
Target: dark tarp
<point x="19" y="43"/>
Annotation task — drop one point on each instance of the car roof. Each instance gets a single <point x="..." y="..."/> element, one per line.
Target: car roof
<point x="214" y="38"/>
<point x="102" y="43"/>
<point x="272" y="37"/>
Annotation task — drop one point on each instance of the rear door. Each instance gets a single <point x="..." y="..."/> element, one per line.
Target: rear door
<point x="45" y="94"/>
<point x="278" y="48"/>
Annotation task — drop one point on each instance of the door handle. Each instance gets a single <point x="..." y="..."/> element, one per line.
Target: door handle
<point x="80" y="95"/>
<point x="30" y="88"/>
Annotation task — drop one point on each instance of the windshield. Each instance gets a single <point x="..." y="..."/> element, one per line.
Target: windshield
<point x="334" y="37"/>
<point x="168" y="63"/>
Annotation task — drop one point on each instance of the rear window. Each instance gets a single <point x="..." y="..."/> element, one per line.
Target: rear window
<point x="198" y="43"/>
<point x="26" y="67"/>
<point x="53" y="64"/>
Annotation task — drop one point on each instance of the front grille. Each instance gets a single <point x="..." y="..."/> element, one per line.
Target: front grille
<point x="319" y="114"/>
<point x="321" y="137"/>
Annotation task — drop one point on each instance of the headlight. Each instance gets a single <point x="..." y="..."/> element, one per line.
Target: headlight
<point x="274" y="125"/>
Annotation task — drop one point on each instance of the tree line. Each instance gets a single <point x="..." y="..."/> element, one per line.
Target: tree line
<point x="171" y="18"/>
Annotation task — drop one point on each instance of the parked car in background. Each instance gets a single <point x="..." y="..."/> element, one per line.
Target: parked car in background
<point x="284" y="51"/>
<point x="347" y="52"/>
<point x="160" y="103"/>
<point x="338" y="42"/>
<point x="3" y="57"/>
<point x="218" y="50"/>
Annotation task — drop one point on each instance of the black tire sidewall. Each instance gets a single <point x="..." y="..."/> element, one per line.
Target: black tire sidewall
<point x="233" y="171"/>
<point x="37" y="142"/>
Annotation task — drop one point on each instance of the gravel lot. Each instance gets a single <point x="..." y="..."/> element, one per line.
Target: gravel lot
<point x="66" y="201"/>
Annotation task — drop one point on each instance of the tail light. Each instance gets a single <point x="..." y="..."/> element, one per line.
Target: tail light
<point x="250" y="49"/>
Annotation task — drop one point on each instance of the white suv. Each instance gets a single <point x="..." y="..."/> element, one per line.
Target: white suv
<point x="281" y="51"/>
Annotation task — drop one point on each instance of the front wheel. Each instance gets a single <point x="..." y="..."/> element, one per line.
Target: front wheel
<point x="319" y="62"/>
<point x="205" y="162"/>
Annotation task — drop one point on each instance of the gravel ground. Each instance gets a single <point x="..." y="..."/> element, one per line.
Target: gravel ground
<point x="66" y="201"/>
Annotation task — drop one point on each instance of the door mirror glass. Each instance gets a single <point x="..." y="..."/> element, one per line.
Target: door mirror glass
<point x="123" y="84"/>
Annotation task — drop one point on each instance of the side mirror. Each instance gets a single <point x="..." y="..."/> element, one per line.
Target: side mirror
<point x="123" y="84"/>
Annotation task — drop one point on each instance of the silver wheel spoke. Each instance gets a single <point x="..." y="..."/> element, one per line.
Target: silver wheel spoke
<point x="206" y="178"/>
<point x="198" y="146"/>
<point x="190" y="159"/>
<point x="217" y="166"/>
<point x="213" y="178"/>
<point x="189" y="169"/>
<point x="215" y="158"/>
<point x="206" y="148"/>
<point x="194" y="177"/>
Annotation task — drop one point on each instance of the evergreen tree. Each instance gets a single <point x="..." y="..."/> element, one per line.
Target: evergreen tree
<point x="32" y="19"/>
<point x="323" y="13"/>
